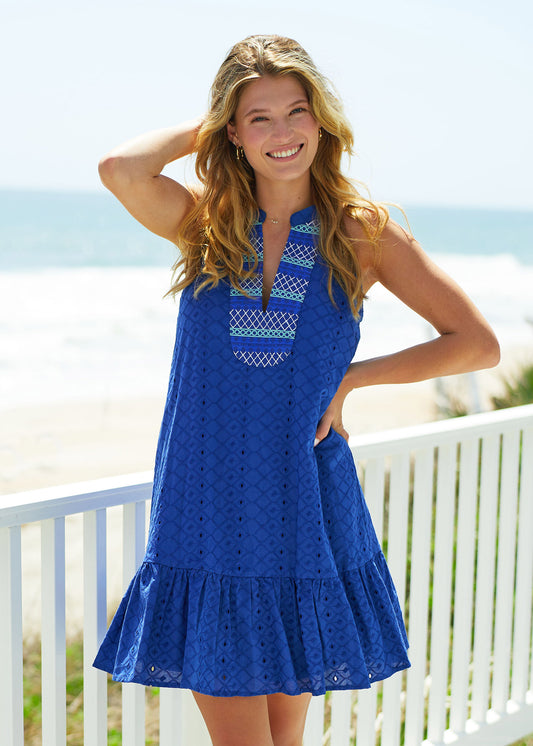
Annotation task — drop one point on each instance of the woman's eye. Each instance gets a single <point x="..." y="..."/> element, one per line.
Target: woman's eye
<point x="258" y="119"/>
<point x="298" y="110"/>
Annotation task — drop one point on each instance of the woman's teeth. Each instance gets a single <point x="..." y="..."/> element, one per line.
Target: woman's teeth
<point x="285" y="153"/>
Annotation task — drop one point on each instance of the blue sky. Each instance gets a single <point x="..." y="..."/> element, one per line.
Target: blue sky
<point x="439" y="94"/>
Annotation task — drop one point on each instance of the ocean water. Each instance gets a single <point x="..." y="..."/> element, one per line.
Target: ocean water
<point x="82" y="313"/>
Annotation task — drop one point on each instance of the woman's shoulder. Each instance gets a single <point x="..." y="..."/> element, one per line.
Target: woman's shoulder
<point x="362" y="245"/>
<point x="392" y="240"/>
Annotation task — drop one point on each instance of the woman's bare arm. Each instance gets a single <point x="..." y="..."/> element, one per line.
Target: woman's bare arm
<point x="132" y="171"/>
<point x="466" y="340"/>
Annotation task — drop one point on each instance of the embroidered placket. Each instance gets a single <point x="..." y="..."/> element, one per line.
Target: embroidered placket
<point x="265" y="338"/>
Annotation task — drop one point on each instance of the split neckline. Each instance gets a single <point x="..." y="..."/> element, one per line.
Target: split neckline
<point x="297" y="219"/>
<point x="265" y="338"/>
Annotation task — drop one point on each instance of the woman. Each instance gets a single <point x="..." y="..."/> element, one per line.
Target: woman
<point x="263" y="581"/>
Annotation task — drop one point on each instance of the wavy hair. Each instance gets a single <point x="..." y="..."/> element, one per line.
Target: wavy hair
<point x="214" y="236"/>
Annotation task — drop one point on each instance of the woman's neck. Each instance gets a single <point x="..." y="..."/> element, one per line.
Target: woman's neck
<point x="283" y="199"/>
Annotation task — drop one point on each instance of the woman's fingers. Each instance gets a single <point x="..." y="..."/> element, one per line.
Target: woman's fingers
<point x="321" y="431"/>
<point x="324" y="428"/>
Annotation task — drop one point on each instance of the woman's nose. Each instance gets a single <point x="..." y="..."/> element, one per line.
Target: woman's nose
<point x="282" y="130"/>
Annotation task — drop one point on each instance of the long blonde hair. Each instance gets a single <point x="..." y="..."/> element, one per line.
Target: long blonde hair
<point x="214" y="236"/>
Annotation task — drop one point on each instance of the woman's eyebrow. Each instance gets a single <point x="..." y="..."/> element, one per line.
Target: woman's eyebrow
<point x="261" y="111"/>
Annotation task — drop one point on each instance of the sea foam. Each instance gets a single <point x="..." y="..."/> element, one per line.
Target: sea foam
<point x="93" y="333"/>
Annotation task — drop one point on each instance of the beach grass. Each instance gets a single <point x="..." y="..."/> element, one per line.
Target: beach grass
<point x="518" y="389"/>
<point x="74" y="700"/>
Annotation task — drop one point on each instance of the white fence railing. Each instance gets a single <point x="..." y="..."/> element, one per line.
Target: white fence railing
<point x="452" y="503"/>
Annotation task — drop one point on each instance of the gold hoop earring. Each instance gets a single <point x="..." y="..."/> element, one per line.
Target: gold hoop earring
<point x="239" y="152"/>
<point x="320" y="133"/>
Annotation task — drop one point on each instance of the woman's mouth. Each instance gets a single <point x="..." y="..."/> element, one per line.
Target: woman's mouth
<point x="285" y="155"/>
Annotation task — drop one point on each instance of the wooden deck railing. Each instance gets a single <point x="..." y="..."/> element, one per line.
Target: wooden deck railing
<point x="452" y="503"/>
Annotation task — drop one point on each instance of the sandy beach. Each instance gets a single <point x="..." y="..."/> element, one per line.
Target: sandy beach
<point x="78" y="440"/>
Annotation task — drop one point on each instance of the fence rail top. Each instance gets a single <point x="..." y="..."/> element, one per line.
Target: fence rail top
<point x="67" y="499"/>
<point x="52" y="502"/>
<point x="441" y="431"/>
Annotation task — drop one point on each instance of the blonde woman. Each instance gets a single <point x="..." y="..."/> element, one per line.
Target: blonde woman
<point x="263" y="582"/>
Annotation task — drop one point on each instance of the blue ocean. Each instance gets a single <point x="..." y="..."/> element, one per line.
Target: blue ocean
<point x="76" y="229"/>
<point x="82" y="285"/>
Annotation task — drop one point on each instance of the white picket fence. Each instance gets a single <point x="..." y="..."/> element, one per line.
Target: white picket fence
<point x="452" y="503"/>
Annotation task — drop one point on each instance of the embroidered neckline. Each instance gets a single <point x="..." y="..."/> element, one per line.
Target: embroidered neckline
<point x="264" y="338"/>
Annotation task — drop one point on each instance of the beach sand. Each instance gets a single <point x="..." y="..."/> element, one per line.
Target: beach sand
<point x="68" y="442"/>
<point x="75" y="441"/>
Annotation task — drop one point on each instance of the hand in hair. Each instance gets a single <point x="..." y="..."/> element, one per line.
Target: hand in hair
<point x="132" y="172"/>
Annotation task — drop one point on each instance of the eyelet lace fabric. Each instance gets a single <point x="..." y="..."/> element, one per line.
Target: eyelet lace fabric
<point x="262" y="571"/>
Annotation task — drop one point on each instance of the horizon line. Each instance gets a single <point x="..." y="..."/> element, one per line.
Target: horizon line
<point x="408" y="204"/>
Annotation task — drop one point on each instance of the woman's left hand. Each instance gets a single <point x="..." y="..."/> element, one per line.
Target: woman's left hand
<point x="332" y="417"/>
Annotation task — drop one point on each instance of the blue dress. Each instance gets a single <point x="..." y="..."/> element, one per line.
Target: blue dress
<point x="262" y="572"/>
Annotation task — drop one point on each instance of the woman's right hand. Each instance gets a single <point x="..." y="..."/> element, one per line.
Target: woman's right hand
<point x="132" y="172"/>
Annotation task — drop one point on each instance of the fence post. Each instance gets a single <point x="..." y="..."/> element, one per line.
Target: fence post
<point x="94" y="627"/>
<point x="11" y="691"/>
<point x="53" y="636"/>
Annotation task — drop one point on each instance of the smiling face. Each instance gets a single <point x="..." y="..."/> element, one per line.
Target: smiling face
<point x="274" y="124"/>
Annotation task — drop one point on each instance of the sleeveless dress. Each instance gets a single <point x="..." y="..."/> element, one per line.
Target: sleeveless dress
<point x="262" y="572"/>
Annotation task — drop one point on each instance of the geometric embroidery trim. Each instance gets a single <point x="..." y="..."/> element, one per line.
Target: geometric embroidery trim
<point x="313" y="226"/>
<point x="265" y="338"/>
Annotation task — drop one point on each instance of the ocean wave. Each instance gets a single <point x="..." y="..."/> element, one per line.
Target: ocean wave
<point x="106" y="332"/>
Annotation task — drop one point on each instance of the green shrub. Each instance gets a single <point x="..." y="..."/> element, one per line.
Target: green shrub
<point x="518" y="390"/>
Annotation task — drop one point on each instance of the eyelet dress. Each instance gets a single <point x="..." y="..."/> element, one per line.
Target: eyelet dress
<point x="262" y="572"/>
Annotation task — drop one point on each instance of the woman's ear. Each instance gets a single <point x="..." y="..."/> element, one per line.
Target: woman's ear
<point x="232" y="133"/>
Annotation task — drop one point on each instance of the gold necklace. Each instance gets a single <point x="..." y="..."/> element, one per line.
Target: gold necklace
<point x="274" y="221"/>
